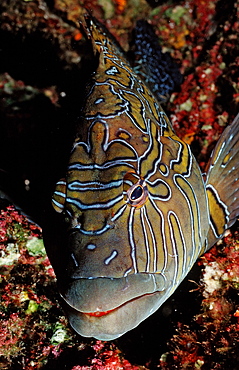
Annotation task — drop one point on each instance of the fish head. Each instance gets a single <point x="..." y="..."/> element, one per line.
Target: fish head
<point x="127" y="246"/>
<point x="111" y="281"/>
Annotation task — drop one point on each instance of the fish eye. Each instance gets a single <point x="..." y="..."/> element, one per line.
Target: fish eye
<point x="136" y="193"/>
<point x="134" y="189"/>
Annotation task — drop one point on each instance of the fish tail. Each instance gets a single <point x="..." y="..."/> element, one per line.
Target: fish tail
<point x="222" y="183"/>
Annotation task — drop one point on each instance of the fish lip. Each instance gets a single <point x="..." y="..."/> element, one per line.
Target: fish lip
<point x="99" y="313"/>
<point x="110" y="293"/>
<point x="114" y="324"/>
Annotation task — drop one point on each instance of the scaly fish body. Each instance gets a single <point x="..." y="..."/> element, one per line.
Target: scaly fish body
<point x="138" y="206"/>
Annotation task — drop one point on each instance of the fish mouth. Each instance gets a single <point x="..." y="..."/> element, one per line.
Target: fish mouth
<point x="99" y="313"/>
<point x="105" y="308"/>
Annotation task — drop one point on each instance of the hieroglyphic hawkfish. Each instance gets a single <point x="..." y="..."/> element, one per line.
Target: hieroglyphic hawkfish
<point x="139" y="211"/>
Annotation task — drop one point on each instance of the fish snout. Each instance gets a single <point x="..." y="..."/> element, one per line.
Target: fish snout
<point x="101" y="294"/>
<point x="106" y="308"/>
<point x="91" y="256"/>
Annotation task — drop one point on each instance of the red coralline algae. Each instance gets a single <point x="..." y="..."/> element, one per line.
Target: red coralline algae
<point x="185" y="351"/>
<point x="195" y="114"/>
<point x="10" y="331"/>
<point x="107" y="357"/>
<point x="212" y="340"/>
<point x="25" y="324"/>
<point x="195" y="111"/>
<point x="226" y="257"/>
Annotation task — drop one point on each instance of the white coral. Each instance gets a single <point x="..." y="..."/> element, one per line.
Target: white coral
<point x="212" y="278"/>
<point x="10" y="255"/>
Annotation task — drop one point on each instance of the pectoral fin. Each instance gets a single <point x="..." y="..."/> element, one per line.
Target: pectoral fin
<point x="222" y="183"/>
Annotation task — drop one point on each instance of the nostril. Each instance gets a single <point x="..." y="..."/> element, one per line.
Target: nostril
<point x="91" y="224"/>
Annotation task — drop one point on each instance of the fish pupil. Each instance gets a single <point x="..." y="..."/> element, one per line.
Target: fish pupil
<point x="136" y="193"/>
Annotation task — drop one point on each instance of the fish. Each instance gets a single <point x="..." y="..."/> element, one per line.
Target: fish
<point x="134" y="211"/>
<point x="157" y="69"/>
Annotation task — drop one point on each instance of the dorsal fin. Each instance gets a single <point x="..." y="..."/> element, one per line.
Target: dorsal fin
<point x="222" y="183"/>
<point x="158" y="69"/>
